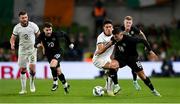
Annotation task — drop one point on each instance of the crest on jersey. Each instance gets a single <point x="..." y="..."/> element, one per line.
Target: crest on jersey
<point x="124" y="44"/>
<point x="132" y="32"/>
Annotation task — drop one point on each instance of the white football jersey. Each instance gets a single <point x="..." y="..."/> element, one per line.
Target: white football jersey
<point x="26" y="37"/>
<point x="102" y="38"/>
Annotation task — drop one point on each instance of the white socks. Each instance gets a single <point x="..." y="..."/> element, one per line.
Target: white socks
<point x="32" y="85"/>
<point x="23" y="82"/>
<point x="65" y="85"/>
<point x="109" y="84"/>
<point x="55" y="82"/>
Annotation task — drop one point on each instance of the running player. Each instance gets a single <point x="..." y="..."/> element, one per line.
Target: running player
<point x="26" y="31"/>
<point x="126" y="54"/>
<point x="50" y="42"/>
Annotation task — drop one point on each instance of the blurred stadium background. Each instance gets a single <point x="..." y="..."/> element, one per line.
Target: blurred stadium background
<point x="158" y="19"/>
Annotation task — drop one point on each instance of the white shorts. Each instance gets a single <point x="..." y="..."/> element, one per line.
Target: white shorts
<point x="100" y="62"/>
<point x="24" y="59"/>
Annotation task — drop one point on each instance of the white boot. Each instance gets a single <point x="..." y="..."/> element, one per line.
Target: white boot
<point x="156" y="93"/>
<point x="23" y="84"/>
<point x="117" y="88"/>
<point x="136" y="85"/>
<point x="32" y="85"/>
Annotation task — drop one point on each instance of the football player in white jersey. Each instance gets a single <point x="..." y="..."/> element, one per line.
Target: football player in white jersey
<point x="26" y="31"/>
<point x="102" y="58"/>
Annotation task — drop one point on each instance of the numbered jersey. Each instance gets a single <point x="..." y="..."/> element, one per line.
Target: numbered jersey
<point x="26" y="37"/>
<point x="126" y="48"/>
<point x="52" y="44"/>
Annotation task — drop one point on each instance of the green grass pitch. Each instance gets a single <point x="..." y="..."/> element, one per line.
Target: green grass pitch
<point x="81" y="92"/>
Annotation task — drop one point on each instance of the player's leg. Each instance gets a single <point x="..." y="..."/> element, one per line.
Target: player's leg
<point x="137" y="67"/>
<point x="63" y="80"/>
<point x="113" y="66"/>
<point x="54" y="73"/>
<point x="55" y="79"/>
<point x="54" y="64"/>
<point x="105" y="64"/>
<point x="22" y="64"/>
<point x="113" y="75"/>
<point x="32" y="61"/>
<point x="135" y="82"/>
<point x="147" y="81"/>
<point x="134" y="75"/>
<point x="32" y="77"/>
<point x="109" y="86"/>
<point x="23" y="80"/>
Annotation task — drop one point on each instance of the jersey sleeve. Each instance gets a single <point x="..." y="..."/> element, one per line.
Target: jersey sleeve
<point x="65" y="36"/>
<point x="138" y="33"/>
<point x="136" y="30"/>
<point x="60" y="34"/>
<point x="146" y="43"/>
<point x="140" y="40"/>
<point x="99" y="40"/>
<point x="15" y="30"/>
<point x="38" y="40"/>
<point x="36" y="28"/>
<point x="67" y="39"/>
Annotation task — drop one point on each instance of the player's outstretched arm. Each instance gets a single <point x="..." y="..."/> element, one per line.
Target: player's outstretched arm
<point x="12" y="41"/>
<point x="67" y="39"/>
<point x="152" y="55"/>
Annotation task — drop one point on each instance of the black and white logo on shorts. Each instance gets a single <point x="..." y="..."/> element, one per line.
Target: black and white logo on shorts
<point x="57" y="56"/>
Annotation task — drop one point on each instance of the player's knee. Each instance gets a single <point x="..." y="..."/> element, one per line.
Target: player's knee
<point x="141" y="75"/>
<point x="23" y="70"/>
<point x="53" y="63"/>
<point x="59" y="71"/>
<point x="115" y="65"/>
<point x="32" y="67"/>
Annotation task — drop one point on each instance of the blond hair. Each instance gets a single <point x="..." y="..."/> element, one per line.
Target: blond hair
<point x="128" y="18"/>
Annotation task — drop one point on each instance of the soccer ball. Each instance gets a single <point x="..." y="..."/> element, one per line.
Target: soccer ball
<point x="98" y="91"/>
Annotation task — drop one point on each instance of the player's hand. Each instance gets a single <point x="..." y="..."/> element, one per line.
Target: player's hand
<point x="12" y="46"/>
<point x="152" y="56"/>
<point x="113" y="40"/>
<point x="37" y="45"/>
<point x="96" y="54"/>
<point x="71" y="46"/>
